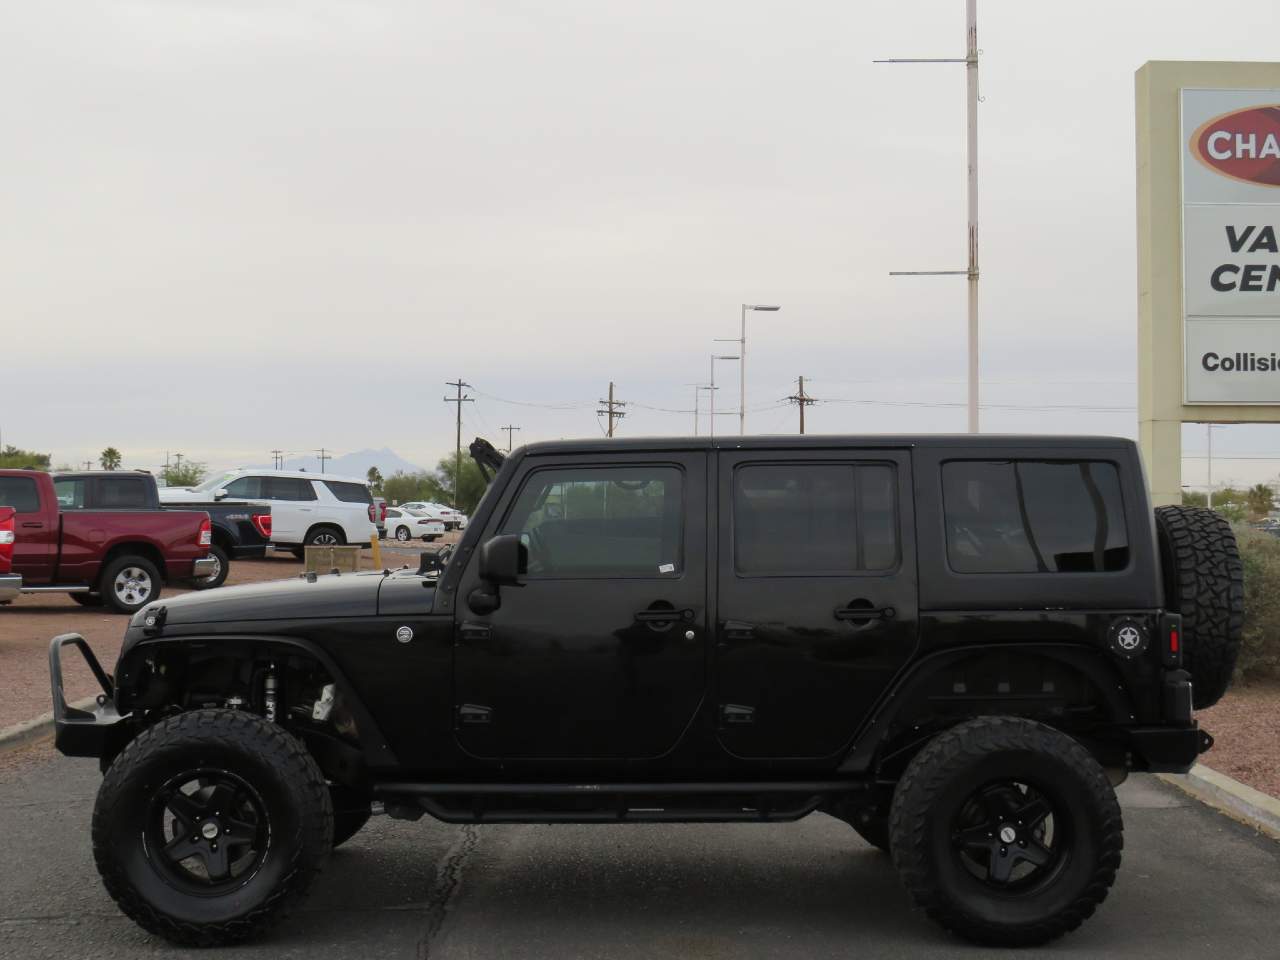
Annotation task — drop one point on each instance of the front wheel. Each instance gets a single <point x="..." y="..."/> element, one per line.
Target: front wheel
<point x="1006" y="831"/>
<point x="210" y="826"/>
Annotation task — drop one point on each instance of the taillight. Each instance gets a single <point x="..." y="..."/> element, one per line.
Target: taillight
<point x="382" y="508"/>
<point x="1171" y="640"/>
<point x="206" y="533"/>
<point x="373" y="513"/>
<point x="262" y="523"/>
<point x="6" y="538"/>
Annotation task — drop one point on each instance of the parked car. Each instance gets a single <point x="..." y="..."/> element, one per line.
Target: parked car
<point x="306" y="508"/>
<point x="10" y="582"/>
<point x="380" y="512"/>
<point x="118" y="557"/>
<point x="241" y="529"/>
<point x="405" y="525"/>
<point x="451" y="518"/>
<point x="955" y="644"/>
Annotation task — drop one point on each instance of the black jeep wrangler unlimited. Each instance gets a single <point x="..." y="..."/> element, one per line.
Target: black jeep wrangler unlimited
<point x="957" y="644"/>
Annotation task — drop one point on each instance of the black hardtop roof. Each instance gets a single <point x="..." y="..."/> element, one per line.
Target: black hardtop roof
<point x="960" y="441"/>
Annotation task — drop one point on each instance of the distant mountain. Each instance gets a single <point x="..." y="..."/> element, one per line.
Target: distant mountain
<point x="352" y="464"/>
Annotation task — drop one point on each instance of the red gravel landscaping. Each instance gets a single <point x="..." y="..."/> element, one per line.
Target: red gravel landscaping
<point x="1246" y="730"/>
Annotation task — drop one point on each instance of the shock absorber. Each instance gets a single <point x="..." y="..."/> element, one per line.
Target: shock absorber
<point x="269" y="686"/>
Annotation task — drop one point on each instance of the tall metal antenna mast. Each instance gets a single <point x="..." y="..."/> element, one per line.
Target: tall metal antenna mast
<point x="970" y="60"/>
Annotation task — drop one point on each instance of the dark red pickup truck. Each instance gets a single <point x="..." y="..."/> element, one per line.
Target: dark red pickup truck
<point x="118" y="558"/>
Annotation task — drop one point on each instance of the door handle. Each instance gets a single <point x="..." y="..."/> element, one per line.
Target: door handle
<point x="739" y="630"/>
<point x="32" y="525"/>
<point x="474" y="713"/>
<point x="662" y="616"/>
<point x="474" y="631"/>
<point x="865" y="613"/>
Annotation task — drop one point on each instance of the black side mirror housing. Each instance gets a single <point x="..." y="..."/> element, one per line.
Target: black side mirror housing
<point x="503" y="559"/>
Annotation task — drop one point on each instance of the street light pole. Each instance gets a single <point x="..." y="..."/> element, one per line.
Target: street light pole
<point x="742" y="369"/>
<point x="712" y="388"/>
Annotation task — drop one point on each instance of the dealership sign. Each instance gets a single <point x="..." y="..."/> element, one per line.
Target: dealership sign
<point x="1231" y="245"/>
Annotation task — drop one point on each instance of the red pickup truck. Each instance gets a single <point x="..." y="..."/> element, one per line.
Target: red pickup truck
<point x="114" y="557"/>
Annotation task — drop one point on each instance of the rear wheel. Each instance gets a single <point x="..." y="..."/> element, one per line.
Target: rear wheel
<point x="1006" y="831"/>
<point x="129" y="583"/>
<point x="210" y="825"/>
<point x="403" y="535"/>
<point x="325" y="536"/>
<point x="219" y="575"/>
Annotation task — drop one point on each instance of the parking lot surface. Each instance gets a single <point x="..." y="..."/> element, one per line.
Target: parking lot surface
<point x="1193" y="884"/>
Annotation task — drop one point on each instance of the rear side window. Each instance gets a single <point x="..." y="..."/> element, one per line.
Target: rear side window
<point x="288" y="488"/>
<point x="120" y="493"/>
<point x="19" y="493"/>
<point x="349" y="492"/>
<point x="1030" y="516"/>
<point x="814" y="518"/>
<point x="70" y="493"/>
<point x="245" y="488"/>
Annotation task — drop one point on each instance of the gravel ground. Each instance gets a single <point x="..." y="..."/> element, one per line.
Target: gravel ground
<point x="31" y="621"/>
<point x="1246" y="730"/>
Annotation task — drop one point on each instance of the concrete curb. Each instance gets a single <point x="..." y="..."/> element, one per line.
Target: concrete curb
<point x="1251" y="807"/>
<point x="29" y="731"/>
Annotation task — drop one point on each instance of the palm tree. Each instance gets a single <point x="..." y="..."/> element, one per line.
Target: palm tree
<point x="374" y="477"/>
<point x="1260" y="500"/>
<point x="110" y="459"/>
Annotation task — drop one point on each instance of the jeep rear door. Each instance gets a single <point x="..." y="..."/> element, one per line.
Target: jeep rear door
<point x="600" y="651"/>
<point x="817" y="595"/>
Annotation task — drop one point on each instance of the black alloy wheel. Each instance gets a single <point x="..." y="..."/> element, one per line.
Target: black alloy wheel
<point x="208" y="831"/>
<point x="1008" y="835"/>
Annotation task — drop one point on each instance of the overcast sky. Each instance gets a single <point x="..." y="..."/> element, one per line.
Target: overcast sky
<point x="232" y="226"/>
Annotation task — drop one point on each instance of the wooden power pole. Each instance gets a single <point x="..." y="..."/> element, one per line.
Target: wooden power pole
<point x="610" y="405"/>
<point x="510" y="429"/>
<point x="802" y="400"/>
<point x="457" y="450"/>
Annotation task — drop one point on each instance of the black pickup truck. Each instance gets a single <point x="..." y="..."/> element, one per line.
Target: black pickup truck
<point x="241" y="529"/>
<point x="956" y="644"/>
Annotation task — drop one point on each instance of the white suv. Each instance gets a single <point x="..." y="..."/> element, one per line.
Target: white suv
<point x="306" y="508"/>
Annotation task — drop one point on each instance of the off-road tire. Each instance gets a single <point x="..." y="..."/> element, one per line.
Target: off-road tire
<point x="989" y="749"/>
<point x="86" y="599"/>
<point x="219" y="578"/>
<point x="351" y="811"/>
<point x="1204" y="582"/>
<point x="292" y="788"/>
<point x="106" y="581"/>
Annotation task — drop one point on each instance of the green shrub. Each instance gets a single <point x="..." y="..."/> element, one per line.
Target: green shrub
<point x="1260" y="649"/>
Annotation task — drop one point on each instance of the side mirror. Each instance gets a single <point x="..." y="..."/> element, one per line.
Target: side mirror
<point x="220" y="494"/>
<point x="503" y="559"/>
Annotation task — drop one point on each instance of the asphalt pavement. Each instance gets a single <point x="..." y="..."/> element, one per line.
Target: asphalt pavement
<point x="1193" y="884"/>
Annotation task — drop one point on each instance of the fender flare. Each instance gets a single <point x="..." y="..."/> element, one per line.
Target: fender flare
<point x="1084" y="660"/>
<point x="376" y="750"/>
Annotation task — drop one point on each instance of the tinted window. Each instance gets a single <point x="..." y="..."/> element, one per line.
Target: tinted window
<point x="245" y="488"/>
<point x="121" y="493"/>
<point x="349" y="492"/>
<point x="601" y="522"/>
<point x="288" y="488"/>
<point x="70" y="494"/>
<point x="1027" y="516"/>
<point x="393" y="513"/>
<point x="814" y="518"/>
<point x="19" y="493"/>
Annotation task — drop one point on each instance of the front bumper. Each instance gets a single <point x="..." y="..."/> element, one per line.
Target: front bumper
<point x="81" y="733"/>
<point x="10" y="586"/>
<point x="204" y="567"/>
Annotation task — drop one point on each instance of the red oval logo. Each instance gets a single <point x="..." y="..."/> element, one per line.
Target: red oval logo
<point x="1243" y="145"/>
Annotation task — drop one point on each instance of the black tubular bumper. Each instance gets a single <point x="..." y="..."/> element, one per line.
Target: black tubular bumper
<point x="81" y="733"/>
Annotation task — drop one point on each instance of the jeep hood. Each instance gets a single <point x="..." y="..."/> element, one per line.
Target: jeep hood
<point x="327" y="597"/>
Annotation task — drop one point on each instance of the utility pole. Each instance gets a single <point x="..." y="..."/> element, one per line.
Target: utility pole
<point x="609" y="405"/>
<point x="970" y="60"/>
<point x="802" y="399"/>
<point x="277" y="460"/>
<point x="177" y="461"/>
<point x="323" y="455"/>
<point x="510" y="429"/>
<point x="459" y="384"/>
<point x="88" y="464"/>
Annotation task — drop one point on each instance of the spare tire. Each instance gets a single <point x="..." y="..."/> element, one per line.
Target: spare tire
<point x="1204" y="582"/>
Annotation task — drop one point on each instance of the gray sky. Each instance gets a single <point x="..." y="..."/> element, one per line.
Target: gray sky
<point x="233" y="226"/>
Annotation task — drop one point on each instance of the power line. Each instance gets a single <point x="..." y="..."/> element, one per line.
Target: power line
<point x="609" y="405"/>
<point x="557" y="405"/>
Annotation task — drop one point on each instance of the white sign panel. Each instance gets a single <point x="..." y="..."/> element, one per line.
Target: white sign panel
<point x="1231" y="245"/>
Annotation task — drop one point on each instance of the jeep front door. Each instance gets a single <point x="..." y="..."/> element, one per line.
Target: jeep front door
<point x="817" y="595"/>
<point x="600" y="650"/>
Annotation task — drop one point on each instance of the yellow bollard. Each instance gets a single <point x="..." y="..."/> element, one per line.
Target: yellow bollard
<point x="376" y="546"/>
